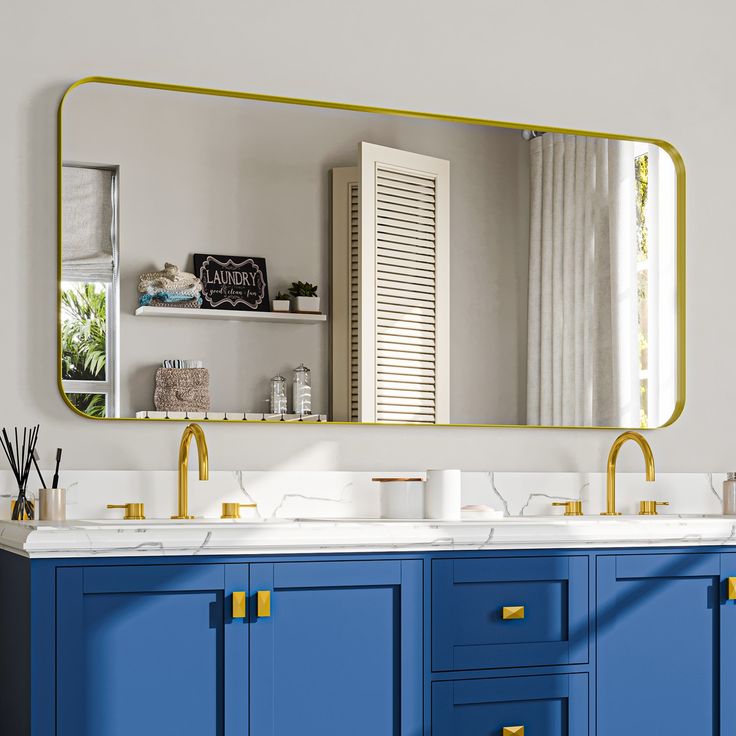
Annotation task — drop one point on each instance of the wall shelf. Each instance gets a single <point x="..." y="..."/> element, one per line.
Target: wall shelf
<point x="231" y="314"/>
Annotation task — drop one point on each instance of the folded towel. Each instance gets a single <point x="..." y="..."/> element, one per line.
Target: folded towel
<point x="169" y="299"/>
<point x="171" y="278"/>
<point x="193" y="291"/>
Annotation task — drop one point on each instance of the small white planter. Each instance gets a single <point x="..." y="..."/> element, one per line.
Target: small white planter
<point x="308" y="304"/>
<point x="281" y="305"/>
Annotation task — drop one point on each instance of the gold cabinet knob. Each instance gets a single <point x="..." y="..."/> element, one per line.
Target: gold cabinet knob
<point x="133" y="511"/>
<point x="572" y="508"/>
<point x="513" y="731"/>
<point x="239" y="604"/>
<point x="731" y="589"/>
<point x="649" y="508"/>
<point x="263" y="600"/>
<point x="509" y="613"/>
<point x="232" y="510"/>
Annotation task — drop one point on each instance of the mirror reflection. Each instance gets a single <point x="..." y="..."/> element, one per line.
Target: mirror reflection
<point x="229" y="258"/>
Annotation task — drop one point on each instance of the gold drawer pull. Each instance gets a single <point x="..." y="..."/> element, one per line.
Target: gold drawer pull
<point x="513" y="731"/>
<point x="509" y="613"/>
<point x="264" y="603"/>
<point x="732" y="589"/>
<point x="239" y="603"/>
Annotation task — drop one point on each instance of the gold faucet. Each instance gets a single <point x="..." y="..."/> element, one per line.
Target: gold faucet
<point x="611" y="471"/>
<point x="192" y="430"/>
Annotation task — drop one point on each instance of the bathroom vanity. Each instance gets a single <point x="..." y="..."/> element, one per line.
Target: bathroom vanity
<point x="529" y="626"/>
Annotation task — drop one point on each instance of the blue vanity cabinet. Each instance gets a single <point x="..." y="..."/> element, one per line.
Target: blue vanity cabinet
<point x="150" y="650"/>
<point x="549" y="705"/>
<point x="665" y="644"/>
<point x="609" y="642"/>
<point x="340" y="651"/>
<point x="322" y="647"/>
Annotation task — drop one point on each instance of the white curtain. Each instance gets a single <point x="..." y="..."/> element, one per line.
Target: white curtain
<point x="583" y="364"/>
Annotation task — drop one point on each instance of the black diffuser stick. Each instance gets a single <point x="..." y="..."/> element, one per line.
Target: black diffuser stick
<point x="55" y="481"/>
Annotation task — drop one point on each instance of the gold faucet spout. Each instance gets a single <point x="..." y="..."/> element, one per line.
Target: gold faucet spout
<point x="611" y="469"/>
<point x="191" y="431"/>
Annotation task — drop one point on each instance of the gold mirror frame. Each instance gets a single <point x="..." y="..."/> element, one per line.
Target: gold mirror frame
<point x="664" y="145"/>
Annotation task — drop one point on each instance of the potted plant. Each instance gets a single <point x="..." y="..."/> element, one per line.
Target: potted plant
<point x="304" y="297"/>
<point x="281" y="302"/>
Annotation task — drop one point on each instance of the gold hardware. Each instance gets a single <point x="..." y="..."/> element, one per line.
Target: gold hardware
<point x="264" y="603"/>
<point x="512" y="612"/>
<point x="239" y="604"/>
<point x="572" y="508"/>
<point x="133" y="511"/>
<point x="232" y="510"/>
<point x="192" y="430"/>
<point x="649" y="508"/>
<point x="611" y="470"/>
<point x="732" y="589"/>
<point x="513" y="731"/>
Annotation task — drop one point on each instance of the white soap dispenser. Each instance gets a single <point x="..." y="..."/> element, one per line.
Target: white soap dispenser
<point x="729" y="495"/>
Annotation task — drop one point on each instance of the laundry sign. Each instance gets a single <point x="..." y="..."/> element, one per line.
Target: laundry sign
<point x="232" y="282"/>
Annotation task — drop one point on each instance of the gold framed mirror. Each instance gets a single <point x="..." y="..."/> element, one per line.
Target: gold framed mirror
<point x="227" y="256"/>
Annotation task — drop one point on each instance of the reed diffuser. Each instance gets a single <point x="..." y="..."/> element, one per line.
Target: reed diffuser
<point x="21" y="456"/>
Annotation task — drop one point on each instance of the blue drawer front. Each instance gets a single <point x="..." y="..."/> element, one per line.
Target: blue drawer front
<point x="550" y="705"/>
<point x="468" y="597"/>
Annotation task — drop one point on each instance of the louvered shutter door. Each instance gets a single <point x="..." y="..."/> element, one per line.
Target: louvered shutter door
<point x="404" y="300"/>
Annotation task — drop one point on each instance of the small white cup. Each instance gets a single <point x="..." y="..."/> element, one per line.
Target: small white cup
<point x="442" y="498"/>
<point x="52" y="504"/>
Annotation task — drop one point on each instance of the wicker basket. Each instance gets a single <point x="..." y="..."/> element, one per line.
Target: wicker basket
<point x="182" y="389"/>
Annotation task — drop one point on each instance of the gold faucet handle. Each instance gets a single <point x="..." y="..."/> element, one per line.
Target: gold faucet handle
<point x="572" y="508"/>
<point x="133" y="511"/>
<point x="232" y="510"/>
<point x="649" y="508"/>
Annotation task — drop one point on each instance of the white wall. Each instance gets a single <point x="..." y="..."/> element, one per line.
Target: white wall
<point x="569" y="64"/>
<point x="202" y="174"/>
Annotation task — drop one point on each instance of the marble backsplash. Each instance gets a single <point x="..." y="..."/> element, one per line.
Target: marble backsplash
<point x="338" y="494"/>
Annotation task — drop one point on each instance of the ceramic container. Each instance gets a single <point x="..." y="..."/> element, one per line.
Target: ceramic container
<point x="442" y="495"/>
<point x="401" y="498"/>
<point x="308" y="304"/>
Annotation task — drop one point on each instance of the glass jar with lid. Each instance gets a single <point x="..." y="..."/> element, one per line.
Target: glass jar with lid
<point x="278" y="395"/>
<point x="302" y="390"/>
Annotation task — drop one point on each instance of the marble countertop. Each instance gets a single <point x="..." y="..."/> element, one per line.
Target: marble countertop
<point x="107" y="538"/>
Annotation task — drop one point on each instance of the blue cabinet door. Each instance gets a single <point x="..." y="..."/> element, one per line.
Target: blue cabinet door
<point x="547" y="705"/>
<point x="151" y="650"/>
<point x="728" y="645"/>
<point x="659" y="634"/>
<point x="341" y="652"/>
